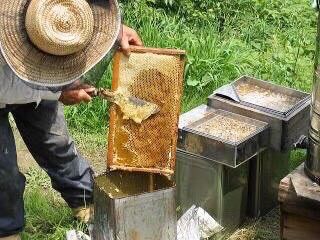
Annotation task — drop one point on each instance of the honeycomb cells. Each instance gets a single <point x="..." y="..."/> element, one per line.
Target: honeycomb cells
<point x="150" y="146"/>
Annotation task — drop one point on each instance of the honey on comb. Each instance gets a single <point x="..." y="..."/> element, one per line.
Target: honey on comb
<point x="158" y="79"/>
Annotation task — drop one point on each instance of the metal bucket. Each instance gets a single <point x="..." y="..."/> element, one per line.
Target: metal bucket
<point x="312" y="164"/>
<point x="133" y="205"/>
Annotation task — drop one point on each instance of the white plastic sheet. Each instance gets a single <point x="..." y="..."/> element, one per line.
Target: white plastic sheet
<point x="77" y="235"/>
<point x="197" y="224"/>
<point x="188" y="226"/>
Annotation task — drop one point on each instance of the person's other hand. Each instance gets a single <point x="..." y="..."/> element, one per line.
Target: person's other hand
<point x="76" y="94"/>
<point x="129" y="37"/>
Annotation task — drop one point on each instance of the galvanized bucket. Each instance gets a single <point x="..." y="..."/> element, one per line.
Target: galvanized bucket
<point x="312" y="164"/>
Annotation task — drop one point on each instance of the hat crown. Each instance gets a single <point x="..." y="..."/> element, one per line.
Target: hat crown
<point x="64" y="21"/>
<point x="59" y="27"/>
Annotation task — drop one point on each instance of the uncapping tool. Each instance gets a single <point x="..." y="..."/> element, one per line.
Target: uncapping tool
<point x="132" y="107"/>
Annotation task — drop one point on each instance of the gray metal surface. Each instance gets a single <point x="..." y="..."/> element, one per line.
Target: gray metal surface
<point x="312" y="164"/>
<point x="220" y="190"/>
<point x="228" y="91"/>
<point x="266" y="171"/>
<point x="149" y="215"/>
<point x="270" y="166"/>
<point x="265" y="96"/>
<point x="205" y="144"/>
<point x="284" y="131"/>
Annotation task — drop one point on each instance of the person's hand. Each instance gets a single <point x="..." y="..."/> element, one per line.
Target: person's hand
<point x="76" y="94"/>
<point x="129" y="37"/>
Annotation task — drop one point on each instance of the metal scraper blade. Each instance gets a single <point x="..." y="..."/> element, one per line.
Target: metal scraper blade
<point x="132" y="107"/>
<point x="135" y="108"/>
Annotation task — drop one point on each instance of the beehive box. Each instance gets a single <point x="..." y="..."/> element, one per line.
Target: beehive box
<point x="221" y="136"/>
<point x="285" y="110"/>
<point x="300" y="207"/>
<point x="154" y="75"/>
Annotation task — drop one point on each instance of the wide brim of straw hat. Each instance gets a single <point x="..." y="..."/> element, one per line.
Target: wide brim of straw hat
<point x="37" y="67"/>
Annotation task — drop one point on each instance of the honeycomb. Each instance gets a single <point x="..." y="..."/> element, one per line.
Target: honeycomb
<point x="157" y="77"/>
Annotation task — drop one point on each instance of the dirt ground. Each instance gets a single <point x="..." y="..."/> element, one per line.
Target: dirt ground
<point x="26" y="161"/>
<point x="265" y="228"/>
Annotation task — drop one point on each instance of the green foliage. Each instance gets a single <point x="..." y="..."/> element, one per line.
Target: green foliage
<point x="47" y="215"/>
<point x="224" y="39"/>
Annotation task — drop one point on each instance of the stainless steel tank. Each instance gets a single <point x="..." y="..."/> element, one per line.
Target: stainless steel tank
<point x="287" y="113"/>
<point x="312" y="164"/>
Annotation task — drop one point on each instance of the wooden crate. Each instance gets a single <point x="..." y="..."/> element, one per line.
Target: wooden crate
<point x="300" y="207"/>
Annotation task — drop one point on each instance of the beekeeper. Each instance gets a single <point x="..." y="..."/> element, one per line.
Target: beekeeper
<point x="46" y="45"/>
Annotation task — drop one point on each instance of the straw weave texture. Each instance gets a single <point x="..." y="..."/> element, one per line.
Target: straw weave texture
<point x="59" y="27"/>
<point x="38" y="67"/>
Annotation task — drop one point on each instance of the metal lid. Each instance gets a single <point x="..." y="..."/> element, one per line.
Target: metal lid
<point x="221" y="136"/>
<point x="264" y="96"/>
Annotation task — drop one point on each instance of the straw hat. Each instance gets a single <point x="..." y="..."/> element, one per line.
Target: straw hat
<point x="55" y="42"/>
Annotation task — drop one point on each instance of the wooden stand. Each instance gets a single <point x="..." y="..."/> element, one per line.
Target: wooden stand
<point x="300" y="207"/>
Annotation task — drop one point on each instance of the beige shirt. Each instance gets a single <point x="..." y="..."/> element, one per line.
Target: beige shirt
<point x="13" y="90"/>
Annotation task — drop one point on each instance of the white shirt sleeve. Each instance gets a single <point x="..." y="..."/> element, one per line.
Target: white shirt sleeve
<point x="15" y="91"/>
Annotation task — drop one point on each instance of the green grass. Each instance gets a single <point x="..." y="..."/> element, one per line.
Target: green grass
<point x="271" y="40"/>
<point x="47" y="215"/>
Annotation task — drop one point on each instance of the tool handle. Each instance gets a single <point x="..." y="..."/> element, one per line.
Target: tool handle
<point x="106" y="94"/>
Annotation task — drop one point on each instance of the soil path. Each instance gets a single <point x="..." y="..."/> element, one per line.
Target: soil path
<point x="96" y="157"/>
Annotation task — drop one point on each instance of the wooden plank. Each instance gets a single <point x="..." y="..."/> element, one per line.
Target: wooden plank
<point x="112" y="112"/>
<point x="305" y="210"/>
<point x="300" y="206"/>
<point x="298" y="187"/>
<point x="307" y="203"/>
<point x="297" y="227"/>
<point x="305" y="188"/>
<point x="114" y="167"/>
<point x="163" y="51"/>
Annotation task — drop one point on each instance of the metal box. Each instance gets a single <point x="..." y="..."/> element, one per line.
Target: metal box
<point x="285" y="110"/>
<point x="220" y="190"/>
<point x="265" y="172"/>
<point x="134" y="205"/>
<point x="221" y="136"/>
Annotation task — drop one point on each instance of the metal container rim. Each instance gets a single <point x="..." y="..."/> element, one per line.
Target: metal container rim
<point x="263" y="126"/>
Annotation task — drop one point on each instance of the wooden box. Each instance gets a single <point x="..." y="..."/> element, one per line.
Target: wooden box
<point x="300" y="207"/>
